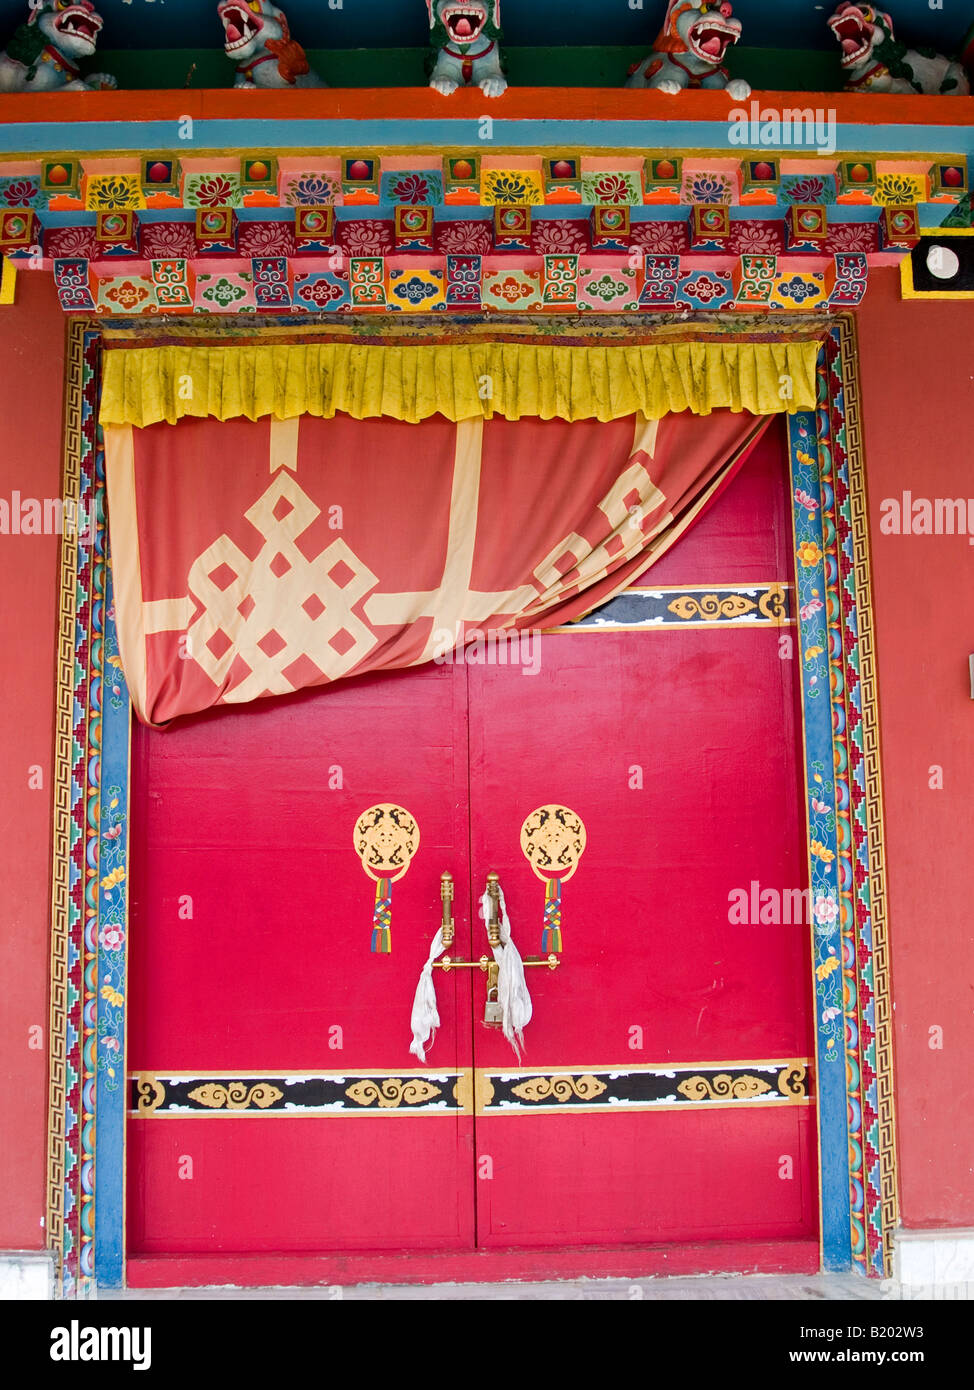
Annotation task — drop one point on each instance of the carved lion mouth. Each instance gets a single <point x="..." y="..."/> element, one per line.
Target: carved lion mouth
<point x="464" y="22"/>
<point x="852" y="28"/>
<point x="240" y="26"/>
<point x="79" y="24"/>
<point x="710" y="39"/>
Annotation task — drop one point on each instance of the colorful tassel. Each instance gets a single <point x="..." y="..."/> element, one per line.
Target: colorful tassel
<point x="382" y="917"/>
<point x="551" y="937"/>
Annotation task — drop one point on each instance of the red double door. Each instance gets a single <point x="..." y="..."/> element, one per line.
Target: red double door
<point x="664" y="1098"/>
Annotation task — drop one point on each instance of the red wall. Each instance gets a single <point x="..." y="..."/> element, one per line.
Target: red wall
<point x="918" y="389"/>
<point x="31" y="372"/>
<point x="918" y="393"/>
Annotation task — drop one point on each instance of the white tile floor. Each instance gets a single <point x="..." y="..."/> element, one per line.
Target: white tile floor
<point x="759" y="1288"/>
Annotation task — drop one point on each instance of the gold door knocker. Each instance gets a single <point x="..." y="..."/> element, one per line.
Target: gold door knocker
<point x="386" y="838"/>
<point x="553" y="841"/>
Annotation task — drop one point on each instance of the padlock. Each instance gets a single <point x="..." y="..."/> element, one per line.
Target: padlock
<point x="494" y="1010"/>
<point x="494" y="1013"/>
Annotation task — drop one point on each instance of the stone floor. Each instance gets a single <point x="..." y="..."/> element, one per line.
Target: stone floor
<point x="746" y="1288"/>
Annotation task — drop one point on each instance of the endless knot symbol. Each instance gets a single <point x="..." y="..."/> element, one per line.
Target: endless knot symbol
<point x="288" y="618"/>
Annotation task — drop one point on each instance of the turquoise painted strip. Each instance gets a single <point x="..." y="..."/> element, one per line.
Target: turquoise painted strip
<point x="821" y="811"/>
<point x="243" y="134"/>
<point x="112" y="949"/>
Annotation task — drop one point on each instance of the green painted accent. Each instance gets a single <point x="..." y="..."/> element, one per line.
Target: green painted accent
<point x="766" y="69"/>
<point x="962" y="215"/>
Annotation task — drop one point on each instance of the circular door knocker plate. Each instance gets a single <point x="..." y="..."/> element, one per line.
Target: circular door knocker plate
<point x="386" y="837"/>
<point x="553" y="841"/>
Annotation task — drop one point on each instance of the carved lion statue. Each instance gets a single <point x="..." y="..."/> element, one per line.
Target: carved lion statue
<point x="258" y="39"/>
<point x="465" y="34"/>
<point x="44" y="53"/>
<point x="873" y="60"/>
<point x="690" y="48"/>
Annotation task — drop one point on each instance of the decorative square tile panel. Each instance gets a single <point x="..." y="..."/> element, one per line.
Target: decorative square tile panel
<point x="512" y="187"/>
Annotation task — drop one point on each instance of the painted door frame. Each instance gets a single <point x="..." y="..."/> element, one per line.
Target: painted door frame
<point x="849" y="936"/>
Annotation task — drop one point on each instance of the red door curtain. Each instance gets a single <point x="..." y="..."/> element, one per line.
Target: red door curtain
<point x="254" y="558"/>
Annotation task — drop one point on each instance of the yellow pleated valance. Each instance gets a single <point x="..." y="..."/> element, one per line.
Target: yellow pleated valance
<point x="142" y="386"/>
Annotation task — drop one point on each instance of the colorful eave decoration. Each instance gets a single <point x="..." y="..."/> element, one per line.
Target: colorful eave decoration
<point x="456" y="231"/>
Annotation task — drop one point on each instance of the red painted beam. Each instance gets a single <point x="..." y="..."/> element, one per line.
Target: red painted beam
<point x="518" y="103"/>
<point x="476" y="1266"/>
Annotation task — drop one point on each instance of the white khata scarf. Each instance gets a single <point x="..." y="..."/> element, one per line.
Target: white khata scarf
<point x="426" y="1018"/>
<point x="512" y="990"/>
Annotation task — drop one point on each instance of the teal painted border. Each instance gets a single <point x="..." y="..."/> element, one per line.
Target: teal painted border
<point x="86" y="137"/>
<point x="113" y="829"/>
<point x="821" y="818"/>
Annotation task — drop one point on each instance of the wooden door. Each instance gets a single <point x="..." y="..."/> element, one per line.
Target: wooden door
<point x="251" y="964"/>
<point x="661" y="1098"/>
<point x="664" y="1094"/>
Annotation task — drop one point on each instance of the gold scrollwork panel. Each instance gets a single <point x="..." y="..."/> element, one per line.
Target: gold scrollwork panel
<point x="392" y="1092"/>
<point x="561" y="1088"/>
<point x="723" y="1087"/>
<point x="236" y="1096"/>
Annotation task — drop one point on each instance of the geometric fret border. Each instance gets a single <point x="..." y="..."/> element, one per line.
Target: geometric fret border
<point x="832" y="605"/>
<point x="69" y="756"/>
<point x="89" y="904"/>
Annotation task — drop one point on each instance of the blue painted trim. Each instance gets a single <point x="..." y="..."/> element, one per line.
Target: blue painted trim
<point x="813" y="652"/>
<point x="111" y="1090"/>
<point x="89" y="136"/>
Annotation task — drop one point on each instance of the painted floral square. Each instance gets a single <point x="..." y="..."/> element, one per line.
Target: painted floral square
<point x="365" y="236"/>
<point x="60" y="242"/>
<point x="610" y="187"/>
<point x="756" y="237"/>
<point x="463" y="238"/>
<point x="899" y="190"/>
<point x="412" y="187"/>
<point x="162" y="239"/>
<point x="808" y="188"/>
<point x="554" y="236"/>
<point x="212" y="191"/>
<point x="705" y="188"/>
<point x="20" y="192"/>
<point x="266" y="239"/>
<point x="660" y="238"/>
<point x="311" y="190"/>
<point x="852" y="236"/>
<point x="512" y="186"/>
<point x="113" y="193"/>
